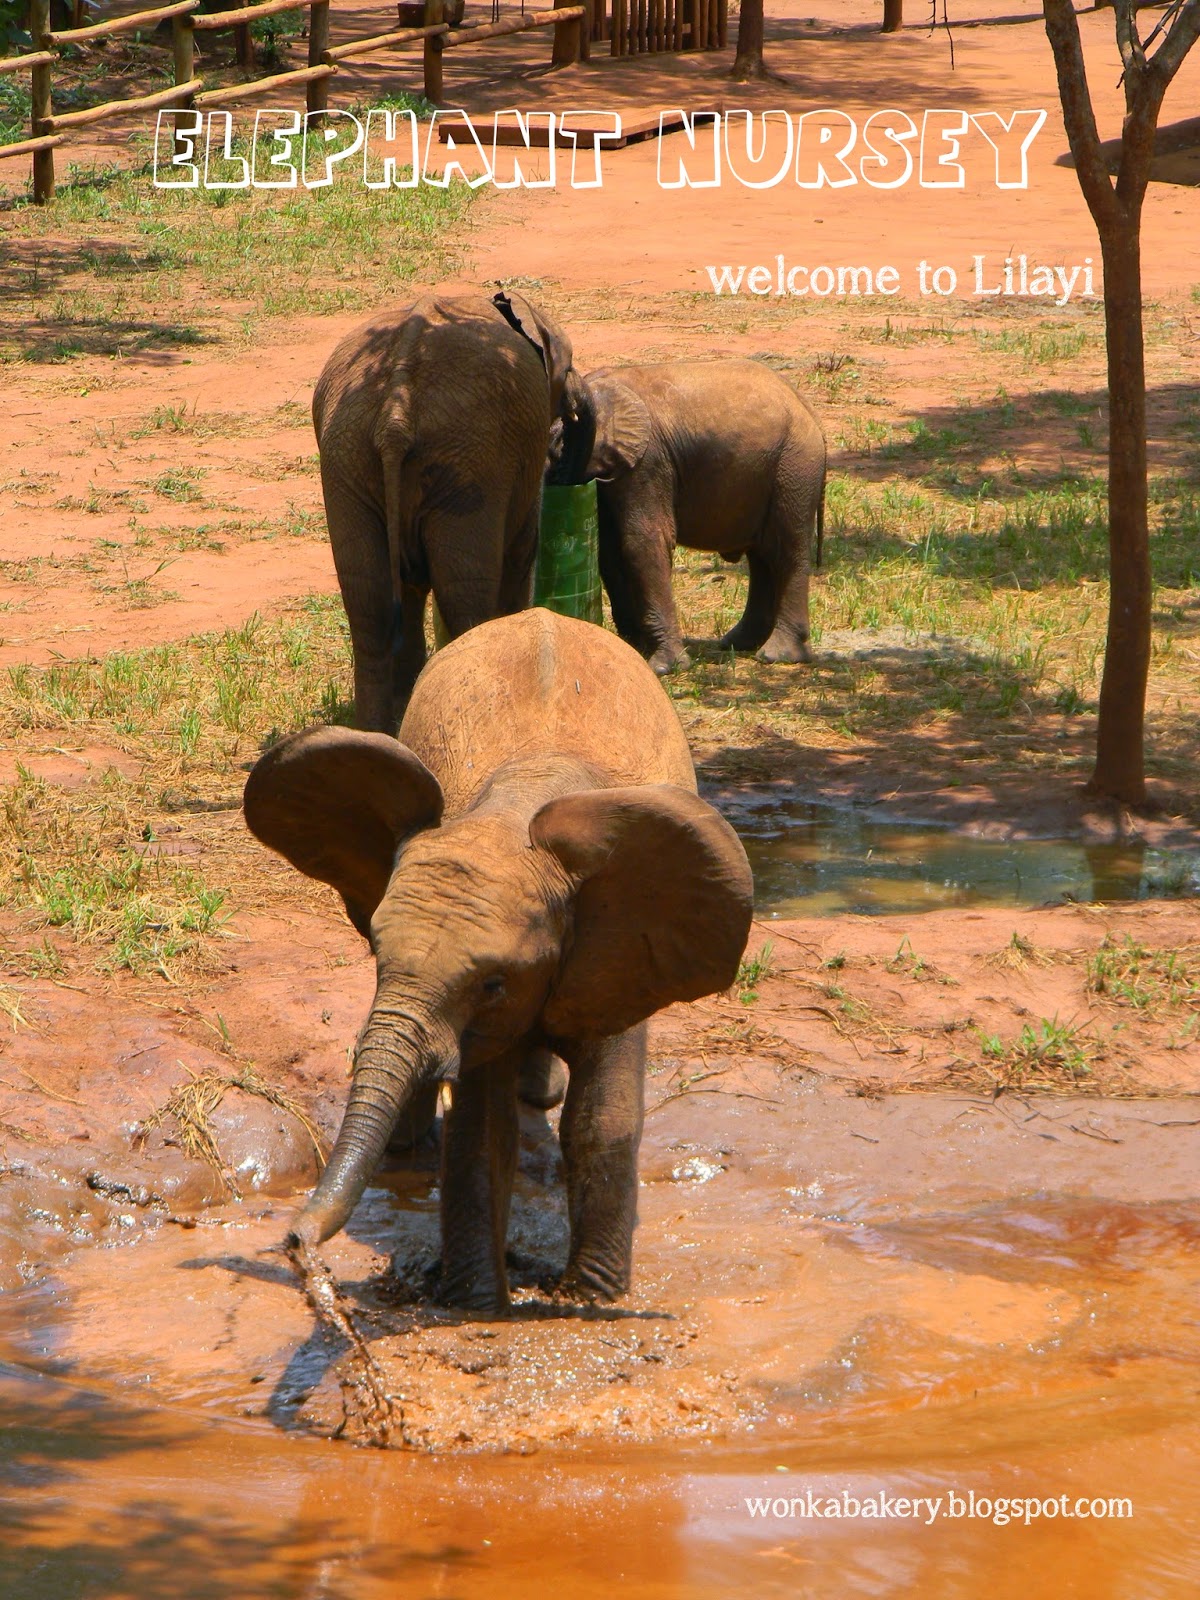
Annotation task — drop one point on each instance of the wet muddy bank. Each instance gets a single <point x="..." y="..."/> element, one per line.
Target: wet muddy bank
<point x="913" y="1295"/>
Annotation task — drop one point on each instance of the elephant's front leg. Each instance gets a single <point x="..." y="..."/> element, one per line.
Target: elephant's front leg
<point x="600" y="1132"/>
<point x="479" y="1158"/>
<point x="647" y="549"/>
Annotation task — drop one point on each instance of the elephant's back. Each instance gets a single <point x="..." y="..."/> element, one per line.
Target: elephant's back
<point x="538" y="684"/>
<point x="456" y="351"/>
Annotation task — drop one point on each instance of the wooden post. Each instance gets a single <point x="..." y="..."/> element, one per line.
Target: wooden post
<point x="565" y="51"/>
<point x="433" y="53"/>
<point x="243" y="46"/>
<point x="893" y="16"/>
<point x="317" y="89"/>
<point x="677" y="24"/>
<point x="183" y="49"/>
<point x="722" y="24"/>
<point x="41" y="105"/>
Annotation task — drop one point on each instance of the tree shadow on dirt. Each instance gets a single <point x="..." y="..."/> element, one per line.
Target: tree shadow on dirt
<point x="75" y="1524"/>
<point x="1041" y="427"/>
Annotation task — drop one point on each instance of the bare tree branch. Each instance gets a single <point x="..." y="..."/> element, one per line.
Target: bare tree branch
<point x="1182" y="35"/>
<point x="1062" y="29"/>
<point x="1129" y="43"/>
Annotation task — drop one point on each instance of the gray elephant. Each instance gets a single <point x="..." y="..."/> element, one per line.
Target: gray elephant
<point x="534" y="870"/>
<point x="717" y="455"/>
<point x="433" y="424"/>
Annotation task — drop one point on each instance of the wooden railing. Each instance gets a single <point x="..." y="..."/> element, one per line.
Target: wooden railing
<point x="572" y="32"/>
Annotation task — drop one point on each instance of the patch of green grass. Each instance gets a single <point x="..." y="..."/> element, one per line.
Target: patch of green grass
<point x="181" y="484"/>
<point x="1046" y="345"/>
<point x="195" y="715"/>
<point x="269" y="253"/>
<point x="1050" y="1054"/>
<point x="1148" y="980"/>
<point x="752" y="970"/>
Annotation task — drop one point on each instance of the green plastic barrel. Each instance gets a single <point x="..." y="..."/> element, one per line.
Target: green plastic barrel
<point x="566" y="577"/>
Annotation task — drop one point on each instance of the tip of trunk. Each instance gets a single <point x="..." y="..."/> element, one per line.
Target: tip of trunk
<point x="311" y="1227"/>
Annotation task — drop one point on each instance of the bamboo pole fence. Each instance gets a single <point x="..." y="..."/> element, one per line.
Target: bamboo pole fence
<point x="574" y="27"/>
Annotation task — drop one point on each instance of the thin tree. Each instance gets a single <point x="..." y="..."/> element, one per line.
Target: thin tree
<point x="748" y="63"/>
<point x="1116" y="209"/>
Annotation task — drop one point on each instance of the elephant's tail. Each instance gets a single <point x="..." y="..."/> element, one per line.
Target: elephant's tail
<point x="400" y="500"/>
<point x="821" y="521"/>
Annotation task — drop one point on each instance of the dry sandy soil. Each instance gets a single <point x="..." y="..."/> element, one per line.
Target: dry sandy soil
<point x="903" y="1187"/>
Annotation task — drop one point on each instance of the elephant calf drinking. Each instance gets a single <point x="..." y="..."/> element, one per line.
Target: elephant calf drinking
<point x="714" y="455"/>
<point x="534" y="870"/>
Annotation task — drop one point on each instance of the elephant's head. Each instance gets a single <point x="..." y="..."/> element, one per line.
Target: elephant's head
<point x="487" y="930"/>
<point x="608" y="434"/>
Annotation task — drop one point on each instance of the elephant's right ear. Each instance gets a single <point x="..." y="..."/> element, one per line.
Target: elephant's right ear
<point x="338" y="804"/>
<point x="622" y="427"/>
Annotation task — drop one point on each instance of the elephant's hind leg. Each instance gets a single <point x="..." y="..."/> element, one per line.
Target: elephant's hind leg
<point x="600" y="1132"/>
<point x="759" y="616"/>
<point x="465" y="555"/>
<point x="358" y="536"/>
<point x="408" y="646"/>
<point x="787" y="547"/>
<point x="479" y="1160"/>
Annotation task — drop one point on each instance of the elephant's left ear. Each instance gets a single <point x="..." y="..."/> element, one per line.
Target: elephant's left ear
<point x="663" y="901"/>
<point x="543" y="332"/>
<point x="338" y="804"/>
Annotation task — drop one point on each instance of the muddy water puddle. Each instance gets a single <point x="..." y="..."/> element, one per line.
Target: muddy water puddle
<point x="839" y="1302"/>
<point x="811" y="859"/>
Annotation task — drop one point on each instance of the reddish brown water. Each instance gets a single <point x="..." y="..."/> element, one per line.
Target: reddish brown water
<point x="918" y="1297"/>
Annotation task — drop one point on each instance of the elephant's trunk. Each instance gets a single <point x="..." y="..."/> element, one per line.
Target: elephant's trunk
<point x="398" y="1055"/>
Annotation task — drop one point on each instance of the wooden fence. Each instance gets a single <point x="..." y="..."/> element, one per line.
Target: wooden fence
<point x="572" y="34"/>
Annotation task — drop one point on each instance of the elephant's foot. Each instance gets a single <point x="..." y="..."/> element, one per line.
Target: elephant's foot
<point x="463" y="1290"/>
<point x="788" y="648"/>
<point x="740" y="638"/>
<point x="586" y="1282"/>
<point x="669" y="658"/>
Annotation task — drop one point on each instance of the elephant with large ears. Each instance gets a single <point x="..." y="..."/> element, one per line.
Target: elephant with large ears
<point x="713" y="455"/>
<point x="535" y="871"/>
<point x="433" y="424"/>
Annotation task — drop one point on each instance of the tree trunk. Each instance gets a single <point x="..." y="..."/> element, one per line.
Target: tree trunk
<point x="893" y="16"/>
<point x="748" y="63"/>
<point x="1120" y="761"/>
<point x="1119" y="772"/>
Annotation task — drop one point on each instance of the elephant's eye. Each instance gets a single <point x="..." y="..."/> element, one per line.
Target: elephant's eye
<point x="493" y="986"/>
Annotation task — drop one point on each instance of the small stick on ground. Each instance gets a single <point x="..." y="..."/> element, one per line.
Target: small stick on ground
<point x="365" y="1400"/>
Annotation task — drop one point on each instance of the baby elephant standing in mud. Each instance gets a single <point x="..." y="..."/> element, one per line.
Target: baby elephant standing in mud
<point x="534" y="870"/>
<point x="716" y="455"/>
